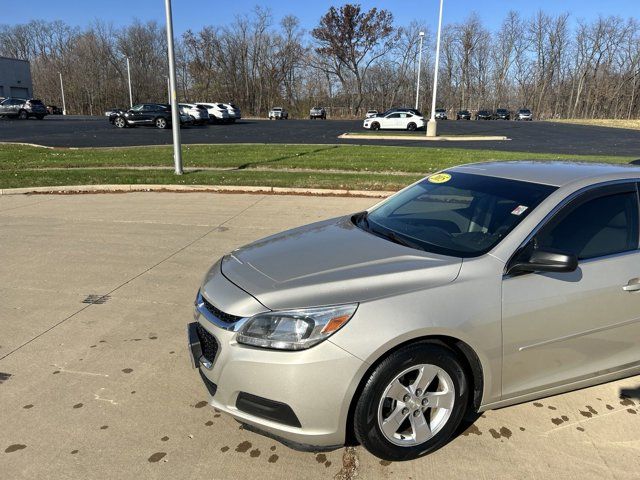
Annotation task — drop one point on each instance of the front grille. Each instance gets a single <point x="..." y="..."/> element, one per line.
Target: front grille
<point x="208" y="343"/>
<point x="219" y="314"/>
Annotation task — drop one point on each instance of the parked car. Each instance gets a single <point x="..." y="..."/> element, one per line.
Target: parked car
<point x="441" y="114"/>
<point x="22" y="108"/>
<point x="502" y="114"/>
<point x="463" y="115"/>
<point x="218" y="113"/>
<point x="484" y="115"/>
<point x="524" y="114"/>
<point x="278" y="113"/>
<point x="402" y="109"/>
<point x="198" y="114"/>
<point x="318" y="112"/>
<point x="150" y="114"/>
<point x="477" y="288"/>
<point x="395" y="121"/>
<point x="54" y="110"/>
<point x="371" y="113"/>
<point x="233" y="111"/>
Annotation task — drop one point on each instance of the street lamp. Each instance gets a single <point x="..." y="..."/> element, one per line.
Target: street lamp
<point x="431" y="124"/>
<point x="129" y="77"/>
<point x="175" y="114"/>
<point x="419" y="67"/>
<point x="64" y="107"/>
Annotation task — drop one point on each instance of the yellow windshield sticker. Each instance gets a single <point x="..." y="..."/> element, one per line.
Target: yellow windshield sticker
<point x="439" y="178"/>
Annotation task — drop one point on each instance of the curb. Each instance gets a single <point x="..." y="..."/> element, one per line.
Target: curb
<point x="424" y="138"/>
<point x="79" y="189"/>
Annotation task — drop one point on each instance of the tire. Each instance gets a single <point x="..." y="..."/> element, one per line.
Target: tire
<point x="39" y="117"/>
<point x="23" y="115"/>
<point x="412" y="127"/>
<point x="375" y="126"/>
<point x="422" y="429"/>
<point x="120" y="122"/>
<point x="161" y="123"/>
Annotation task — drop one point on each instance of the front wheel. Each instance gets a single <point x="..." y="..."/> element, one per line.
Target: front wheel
<point x="120" y="122"/>
<point x="161" y="122"/>
<point x="39" y="117"/>
<point x="412" y="402"/>
<point x="375" y="126"/>
<point x="23" y="115"/>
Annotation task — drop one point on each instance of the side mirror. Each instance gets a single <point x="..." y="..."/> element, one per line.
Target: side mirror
<point x="544" y="261"/>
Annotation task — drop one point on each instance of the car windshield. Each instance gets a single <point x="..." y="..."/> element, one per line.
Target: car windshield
<point x="457" y="214"/>
<point x="525" y="111"/>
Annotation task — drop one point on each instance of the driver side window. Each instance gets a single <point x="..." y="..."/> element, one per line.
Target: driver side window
<point x="594" y="227"/>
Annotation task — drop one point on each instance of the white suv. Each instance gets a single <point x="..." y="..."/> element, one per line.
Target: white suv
<point x="233" y="111"/>
<point x="217" y="112"/>
<point x="198" y="114"/>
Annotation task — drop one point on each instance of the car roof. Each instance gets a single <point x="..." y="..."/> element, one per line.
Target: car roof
<point x="555" y="173"/>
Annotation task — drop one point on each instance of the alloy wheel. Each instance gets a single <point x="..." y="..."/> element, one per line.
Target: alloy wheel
<point x="416" y="405"/>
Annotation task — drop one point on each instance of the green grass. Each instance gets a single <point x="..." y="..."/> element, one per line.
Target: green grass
<point x="344" y="181"/>
<point x="357" y="158"/>
<point x="332" y="166"/>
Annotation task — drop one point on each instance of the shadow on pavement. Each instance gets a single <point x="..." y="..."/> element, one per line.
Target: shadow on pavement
<point x="630" y="393"/>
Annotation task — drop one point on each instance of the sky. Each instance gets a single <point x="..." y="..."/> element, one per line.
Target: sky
<point x="194" y="14"/>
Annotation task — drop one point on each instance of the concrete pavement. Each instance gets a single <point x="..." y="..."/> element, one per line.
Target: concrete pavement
<point x="106" y="391"/>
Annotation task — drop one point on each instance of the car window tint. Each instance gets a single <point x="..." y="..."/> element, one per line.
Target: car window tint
<point x="394" y="115"/>
<point x="595" y="228"/>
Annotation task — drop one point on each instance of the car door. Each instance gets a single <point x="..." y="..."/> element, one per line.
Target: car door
<point x="391" y="121"/>
<point x="135" y="114"/>
<point x="5" y="106"/>
<point x="560" y="328"/>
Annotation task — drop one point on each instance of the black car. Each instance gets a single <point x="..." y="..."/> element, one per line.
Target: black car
<point x="152" y="114"/>
<point x="401" y="109"/>
<point x="22" y="108"/>
<point x="484" y="115"/>
<point x="502" y="114"/>
<point x="463" y="115"/>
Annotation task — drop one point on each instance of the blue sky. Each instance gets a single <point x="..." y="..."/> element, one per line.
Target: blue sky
<point x="193" y="14"/>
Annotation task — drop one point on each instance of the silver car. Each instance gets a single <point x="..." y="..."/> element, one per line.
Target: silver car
<point x="475" y="288"/>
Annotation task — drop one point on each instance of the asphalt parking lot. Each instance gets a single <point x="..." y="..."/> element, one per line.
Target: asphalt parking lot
<point x="540" y="137"/>
<point x="105" y="390"/>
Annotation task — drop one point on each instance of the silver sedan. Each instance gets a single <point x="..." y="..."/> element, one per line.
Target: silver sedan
<point x="475" y="288"/>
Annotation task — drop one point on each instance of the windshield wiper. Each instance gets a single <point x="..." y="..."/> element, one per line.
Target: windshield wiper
<point x="399" y="240"/>
<point x="361" y="220"/>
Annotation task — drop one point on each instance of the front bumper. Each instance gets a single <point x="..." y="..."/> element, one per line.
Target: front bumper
<point x="300" y="398"/>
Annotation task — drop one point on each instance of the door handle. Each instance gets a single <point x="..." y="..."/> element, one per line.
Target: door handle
<point x="632" y="285"/>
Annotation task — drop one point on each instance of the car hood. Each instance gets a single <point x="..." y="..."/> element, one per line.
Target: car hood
<point x="332" y="262"/>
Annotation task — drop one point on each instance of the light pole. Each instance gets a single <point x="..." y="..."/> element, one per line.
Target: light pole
<point x="175" y="114"/>
<point x="129" y="77"/>
<point x="64" y="107"/>
<point x="432" y="124"/>
<point x="419" y="67"/>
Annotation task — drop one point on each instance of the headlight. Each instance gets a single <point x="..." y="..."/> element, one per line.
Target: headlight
<point x="294" y="329"/>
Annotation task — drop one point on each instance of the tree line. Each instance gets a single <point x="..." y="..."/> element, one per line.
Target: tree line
<point x="353" y="60"/>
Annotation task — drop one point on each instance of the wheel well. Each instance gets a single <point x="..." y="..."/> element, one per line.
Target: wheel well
<point x="471" y="364"/>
